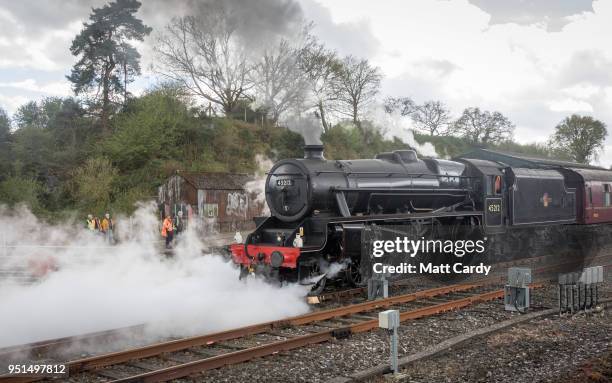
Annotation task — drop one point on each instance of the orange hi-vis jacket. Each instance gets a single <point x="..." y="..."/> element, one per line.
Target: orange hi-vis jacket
<point x="166" y="227"/>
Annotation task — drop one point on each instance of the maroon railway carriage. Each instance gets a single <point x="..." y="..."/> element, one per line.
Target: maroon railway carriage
<point x="593" y="199"/>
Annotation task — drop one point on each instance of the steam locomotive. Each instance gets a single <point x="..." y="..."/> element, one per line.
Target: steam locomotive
<point x="321" y="208"/>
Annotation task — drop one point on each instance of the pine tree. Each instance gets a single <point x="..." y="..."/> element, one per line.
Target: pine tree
<point x="107" y="60"/>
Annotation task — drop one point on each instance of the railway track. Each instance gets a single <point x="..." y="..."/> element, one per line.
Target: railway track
<point x="61" y="345"/>
<point x="184" y="357"/>
<point x="545" y="264"/>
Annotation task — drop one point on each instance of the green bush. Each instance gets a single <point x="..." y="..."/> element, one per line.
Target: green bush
<point x="93" y="184"/>
<point x="14" y="190"/>
<point x="348" y="142"/>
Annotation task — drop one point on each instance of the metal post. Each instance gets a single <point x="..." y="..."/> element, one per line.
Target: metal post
<point x="560" y="297"/>
<point x="390" y="321"/>
<point x="394" y="342"/>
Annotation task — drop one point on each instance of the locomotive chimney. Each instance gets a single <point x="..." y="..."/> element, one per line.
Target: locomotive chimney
<point x="313" y="152"/>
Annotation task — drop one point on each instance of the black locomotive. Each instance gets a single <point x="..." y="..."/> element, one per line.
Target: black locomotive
<point x="327" y="205"/>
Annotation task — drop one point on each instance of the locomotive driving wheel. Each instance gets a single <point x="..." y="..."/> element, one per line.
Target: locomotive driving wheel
<point x="353" y="273"/>
<point x="319" y="279"/>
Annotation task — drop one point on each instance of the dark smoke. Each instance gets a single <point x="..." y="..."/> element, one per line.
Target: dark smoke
<point x="258" y="21"/>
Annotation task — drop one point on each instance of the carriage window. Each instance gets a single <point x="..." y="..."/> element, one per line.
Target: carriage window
<point x="590" y="197"/>
<point x="606" y="195"/>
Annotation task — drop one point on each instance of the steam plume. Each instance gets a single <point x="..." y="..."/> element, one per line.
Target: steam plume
<point x="96" y="287"/>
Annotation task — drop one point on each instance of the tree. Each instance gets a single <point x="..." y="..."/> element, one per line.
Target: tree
<point x="68" y="122"/>
<point x="205" y="54"/>
<point x="322" y="68"/>
<point x="581" y="136"/>
<point x="5" y="127"/>
<point x="148" y="130"/>
<point x="483" y="127"/>
<point x="29" y="114"/>
<point x="5" y="139"/>
<point x="93" y="183"/>
<point x="33" y="150"/>
<point x="279" y="83"/>
<point x="14" y="190"/>
<point x="431" y="117"/>
<point x="402" y="105"/>
<point x="358" y="84"/>
<point x="107" y="59"/>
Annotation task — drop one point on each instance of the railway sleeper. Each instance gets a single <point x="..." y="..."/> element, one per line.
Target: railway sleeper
<point x="342" y="333"/>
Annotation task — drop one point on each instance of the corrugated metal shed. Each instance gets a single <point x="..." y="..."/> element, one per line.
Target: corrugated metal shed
<point x="216" y="201"/>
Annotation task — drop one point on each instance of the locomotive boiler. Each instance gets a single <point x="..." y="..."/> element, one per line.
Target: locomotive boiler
<point x="394" y="182"/>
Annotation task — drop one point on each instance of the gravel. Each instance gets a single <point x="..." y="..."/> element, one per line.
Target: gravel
<point x="543" y="350"/>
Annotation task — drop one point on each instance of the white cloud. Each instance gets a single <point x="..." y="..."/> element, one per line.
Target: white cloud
<point x="52" y="88"/>
<point x="570" y="105"/>
<point x="11" y="103"/>
<point x="582" y="91"/>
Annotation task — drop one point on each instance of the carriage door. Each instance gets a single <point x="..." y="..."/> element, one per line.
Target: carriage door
<point x="493" y="201"/>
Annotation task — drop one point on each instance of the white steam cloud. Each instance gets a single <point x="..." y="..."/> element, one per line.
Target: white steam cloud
<point x="257" y="186"/>
<point x="89" y="286"/>
<point x="307" y="125"/>
<point x="396" y="125"/>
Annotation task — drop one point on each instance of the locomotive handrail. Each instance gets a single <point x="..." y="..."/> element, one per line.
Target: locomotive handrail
<point x="417" y="175"/>
<point x="391" y="188"/>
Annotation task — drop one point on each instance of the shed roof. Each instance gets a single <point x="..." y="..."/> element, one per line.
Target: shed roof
<point x="216" y="181"/>
<point x="523" y="160"/>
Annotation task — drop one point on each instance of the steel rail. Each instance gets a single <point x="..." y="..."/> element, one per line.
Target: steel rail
<point x="198" y="366"/>
<point x="334" y="295"/>
<point x="105" y="360"/>
<point x="57" y="343"/>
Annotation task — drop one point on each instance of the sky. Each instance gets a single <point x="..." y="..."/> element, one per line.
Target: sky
<point x="535" y="61"/>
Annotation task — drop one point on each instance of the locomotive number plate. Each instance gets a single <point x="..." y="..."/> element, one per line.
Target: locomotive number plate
<point x="284" y="182"/>
<point x="495" y="208"/>
<point x="493" y="213"/>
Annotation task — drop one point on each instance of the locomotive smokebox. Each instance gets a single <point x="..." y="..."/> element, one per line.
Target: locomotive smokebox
<point x="313" y="152"/>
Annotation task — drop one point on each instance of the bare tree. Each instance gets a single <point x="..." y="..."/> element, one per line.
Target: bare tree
<point x="358" y="84"/>
<point x="279" y="82"/>
<point x="322" y="68"/>
<point x="205" y="54"/>
<point x="431" y="117"/>
<point x="404" y="105"/>
<point x="483" y="127"/>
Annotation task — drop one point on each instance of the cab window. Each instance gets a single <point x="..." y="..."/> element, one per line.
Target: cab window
<point x="494" y="186"/>
<point x="606" y="195"/>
